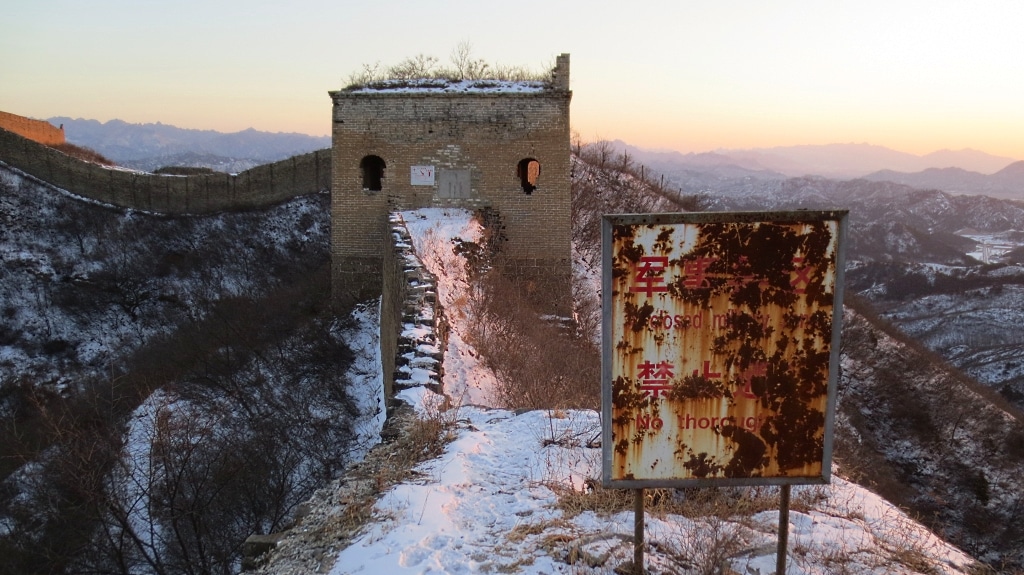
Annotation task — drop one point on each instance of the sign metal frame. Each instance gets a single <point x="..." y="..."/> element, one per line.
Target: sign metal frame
<point x="803" y="250"/>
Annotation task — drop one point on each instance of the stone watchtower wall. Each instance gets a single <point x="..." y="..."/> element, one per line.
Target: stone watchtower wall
<point x="35" y="130"/>
<point x="502" y="146"/>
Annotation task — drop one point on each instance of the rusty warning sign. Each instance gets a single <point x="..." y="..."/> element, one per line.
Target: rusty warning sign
<point x="720" y="347"/>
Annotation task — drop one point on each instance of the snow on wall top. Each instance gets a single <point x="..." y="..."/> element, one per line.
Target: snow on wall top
<point x="441" y="85"/>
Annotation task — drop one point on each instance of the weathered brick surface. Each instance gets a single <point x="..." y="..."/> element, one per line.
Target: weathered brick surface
<point x="35" y="130"/>
<point x="487" y="133"/>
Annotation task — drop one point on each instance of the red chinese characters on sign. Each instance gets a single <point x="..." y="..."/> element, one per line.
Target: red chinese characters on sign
<point x="695" y="272"/>
<point x="650" y="275"/>
<point x="741" y="276"/>
<point x="801" y="275"/>
<point x="708" y="374"/>
<point x="655" y="378"/>
<point x="696" y="276"/>
<point x="756" y="369"/>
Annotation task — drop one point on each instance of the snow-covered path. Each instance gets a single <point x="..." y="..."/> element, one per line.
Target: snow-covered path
<point x="463" y="515"/>
<point x="490" y="504"/>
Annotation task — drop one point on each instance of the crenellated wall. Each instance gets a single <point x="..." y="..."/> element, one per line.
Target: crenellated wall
<point x="207" y="193"/>
<point x="35" y="130"/>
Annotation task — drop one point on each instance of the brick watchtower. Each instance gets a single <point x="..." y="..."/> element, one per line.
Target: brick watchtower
<point x="403" y="145"/>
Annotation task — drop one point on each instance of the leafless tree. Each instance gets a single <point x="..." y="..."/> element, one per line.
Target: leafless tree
<point x="467" y="67"/>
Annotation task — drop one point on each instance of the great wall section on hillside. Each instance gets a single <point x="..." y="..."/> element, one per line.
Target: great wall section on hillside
<point x="165" y="194"/>
<point x="408" y="298"/>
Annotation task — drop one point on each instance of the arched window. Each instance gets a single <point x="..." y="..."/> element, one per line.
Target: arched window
<point x="373" y="172"/>
<point x="528" y="171"/>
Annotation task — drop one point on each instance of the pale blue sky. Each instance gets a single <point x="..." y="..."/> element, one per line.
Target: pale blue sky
<point x="916" y="76"/>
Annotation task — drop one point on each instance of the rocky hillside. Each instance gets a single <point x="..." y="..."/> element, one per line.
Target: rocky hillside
<point x="932" y="440"/>
<point x="168" y="385"/>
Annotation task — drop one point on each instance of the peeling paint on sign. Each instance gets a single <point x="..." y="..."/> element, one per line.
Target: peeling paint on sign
<point x="720" y="347"/>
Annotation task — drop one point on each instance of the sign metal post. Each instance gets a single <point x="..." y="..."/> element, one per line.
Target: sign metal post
<point x="780" y="558"/>
<point x="638" y="531"/>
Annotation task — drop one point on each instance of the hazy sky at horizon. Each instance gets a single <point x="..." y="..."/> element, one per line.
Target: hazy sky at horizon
<point x="915" y="76"/>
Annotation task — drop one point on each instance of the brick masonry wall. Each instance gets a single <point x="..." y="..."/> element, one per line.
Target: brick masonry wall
<point x="261" y="186"/>
<point x="413" y="329"/>
<point x="35" y="130"/>
<point x="486" y="133"/>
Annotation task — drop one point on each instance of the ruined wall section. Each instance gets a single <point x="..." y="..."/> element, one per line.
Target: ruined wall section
<point x="413" y="328"/>
<point x="486" y="134"/>
<point x="35" y="130"/>
<point x="261" y="186"/>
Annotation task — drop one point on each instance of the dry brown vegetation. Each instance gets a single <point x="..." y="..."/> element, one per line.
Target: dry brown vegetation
<point x="720" y="502"/>
<point x="539" y="363"/>
<point x="84" y="154"/>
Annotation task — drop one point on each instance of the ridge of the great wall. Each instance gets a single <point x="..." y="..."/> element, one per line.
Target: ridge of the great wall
<point x="264" y="185"/>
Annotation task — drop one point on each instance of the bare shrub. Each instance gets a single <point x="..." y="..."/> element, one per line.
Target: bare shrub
<point x="419" y="66"/>
<point x="464" y="66"/>
<point x="368" y="74"/>
<point x="427" y="435"/>
<point x="537" y="362"/>
<point x="603" y="186"/>
<point x="708" y="543"/>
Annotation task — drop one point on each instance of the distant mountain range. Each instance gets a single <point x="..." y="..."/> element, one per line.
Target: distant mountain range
<point x="1006" y="183"/>
<point x="840" y="161"/>
<point x="149" y="146"/>
<point x="846" y="161"/>
<point x="960" y="172"/>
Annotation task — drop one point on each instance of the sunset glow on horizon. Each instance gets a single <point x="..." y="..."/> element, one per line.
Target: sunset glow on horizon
<point x="912" y="76"/>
